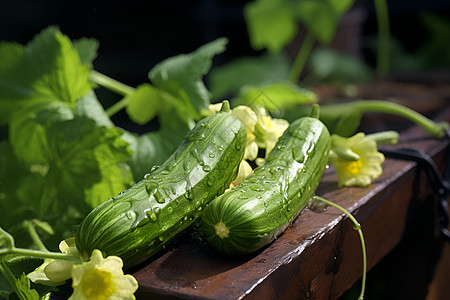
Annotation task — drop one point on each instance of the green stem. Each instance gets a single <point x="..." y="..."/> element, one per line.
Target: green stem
<point x="302" y="56"/>
<point x="357" y="227"/>
<point x="35" y="237"/>
<point x="110" y="83"/>
<point x="114" y="86"/>
<point x="40" y="254"/>
<point x="389" y="137"/>
<point x="383" y="46"/>
<point x="436" y="130"/>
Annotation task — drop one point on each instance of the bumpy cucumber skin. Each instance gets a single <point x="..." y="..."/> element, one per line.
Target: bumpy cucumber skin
<point x="137" y="223"/>
<point x="259" y="209"/>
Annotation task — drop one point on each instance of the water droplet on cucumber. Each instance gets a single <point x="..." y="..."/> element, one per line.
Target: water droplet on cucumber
<point x="159" y="198"/>
<point x="131" y="215"/>
<point x="151" y="214"/>
<point x="151" y="188"/>
<point x="189" y="194"/>
<point x="206" y="168"/>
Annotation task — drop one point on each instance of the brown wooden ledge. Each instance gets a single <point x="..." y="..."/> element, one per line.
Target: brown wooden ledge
<point x="319" y="257"/>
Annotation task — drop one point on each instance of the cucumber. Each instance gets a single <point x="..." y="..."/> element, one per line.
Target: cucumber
<point x="140" y="221"/>
<point x="255" y="212"/>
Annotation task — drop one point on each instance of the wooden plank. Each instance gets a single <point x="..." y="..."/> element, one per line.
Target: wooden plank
<point x="319" y="257"/>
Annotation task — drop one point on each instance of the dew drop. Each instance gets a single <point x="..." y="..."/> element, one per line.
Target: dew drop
<point x="142" y="222"/>
<point x="169" y="209"/>
<point x="256" y="188"/>
<point x="147" y="175"/>
<point x="221" y="147"/>
<point x="151" y="188"/>
<point x="243" y="196"/>
<point x="131" y="215"/>
<point x="206" y="168"/>
<point x="165" y="172"/>
<point x="154" y="168"/>
<point x="172" y="166"/>
<point x="151" y="214"/>
<point x="189" y="194"/>
<point x="212" y="155"/>
<point x="159" y="198"/>
<point x="298" y="155"/>
<point x="161" y="238"/>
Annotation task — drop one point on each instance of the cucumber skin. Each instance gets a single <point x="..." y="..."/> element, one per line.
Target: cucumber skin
<point x="134" y="225"/>
<point x="263" y="206"/>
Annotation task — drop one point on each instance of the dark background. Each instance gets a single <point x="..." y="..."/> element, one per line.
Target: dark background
<point x="134" y="35"/>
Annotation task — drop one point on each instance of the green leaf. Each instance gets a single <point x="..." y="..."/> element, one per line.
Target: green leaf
<point x="321" y="17"/>
<point x="87" y="49"/>
<point x="90" y="107"/>
<point x="181" y="76"/>
<point x="225" y="81"/>
<point x="145" y="103"/>
<point x="24" y="289"/>
<point x="28" y="130"/>
<point x="155" y="147"/>
<point x="328" y="66"/>
<point x="81" y="159"/>
<point x="87" y="162"/>
<point x="275" y="97"/>
<point x="47" y="69"/>
<point x="20" y="186"/>
<point x="271" y="24"/>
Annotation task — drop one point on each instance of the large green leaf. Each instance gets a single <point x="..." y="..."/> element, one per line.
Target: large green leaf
<point x="276" y="97"/>
<point x="181" y="76"/>
<point x="271" y="24"/>
<point x="321" y="17"/>
<point x="227" y="80"/>
<point x="47" y="69"/>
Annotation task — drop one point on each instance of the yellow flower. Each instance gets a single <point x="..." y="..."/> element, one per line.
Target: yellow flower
<point x="54" y="272"/>
<point x="268" y="130"/>
<point x="102" y="279"/>
<point x="356" y="160"/>
<point x="244" y="170"/>
<point x="248" y="117"/>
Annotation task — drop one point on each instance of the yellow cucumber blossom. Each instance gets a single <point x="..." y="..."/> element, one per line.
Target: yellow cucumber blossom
<point x="54" y="272"/>
<point x="356" y="160"/>
<point x="263" y="131"/>
<point x="248" y="117"/>
<point x="268" y="130"/>
<point x="102" y="279"/>
<point x="244" y="170"/>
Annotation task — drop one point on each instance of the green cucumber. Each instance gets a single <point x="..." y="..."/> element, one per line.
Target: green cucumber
<point x="255" y="212"/>
<point x="140" y="221"/>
